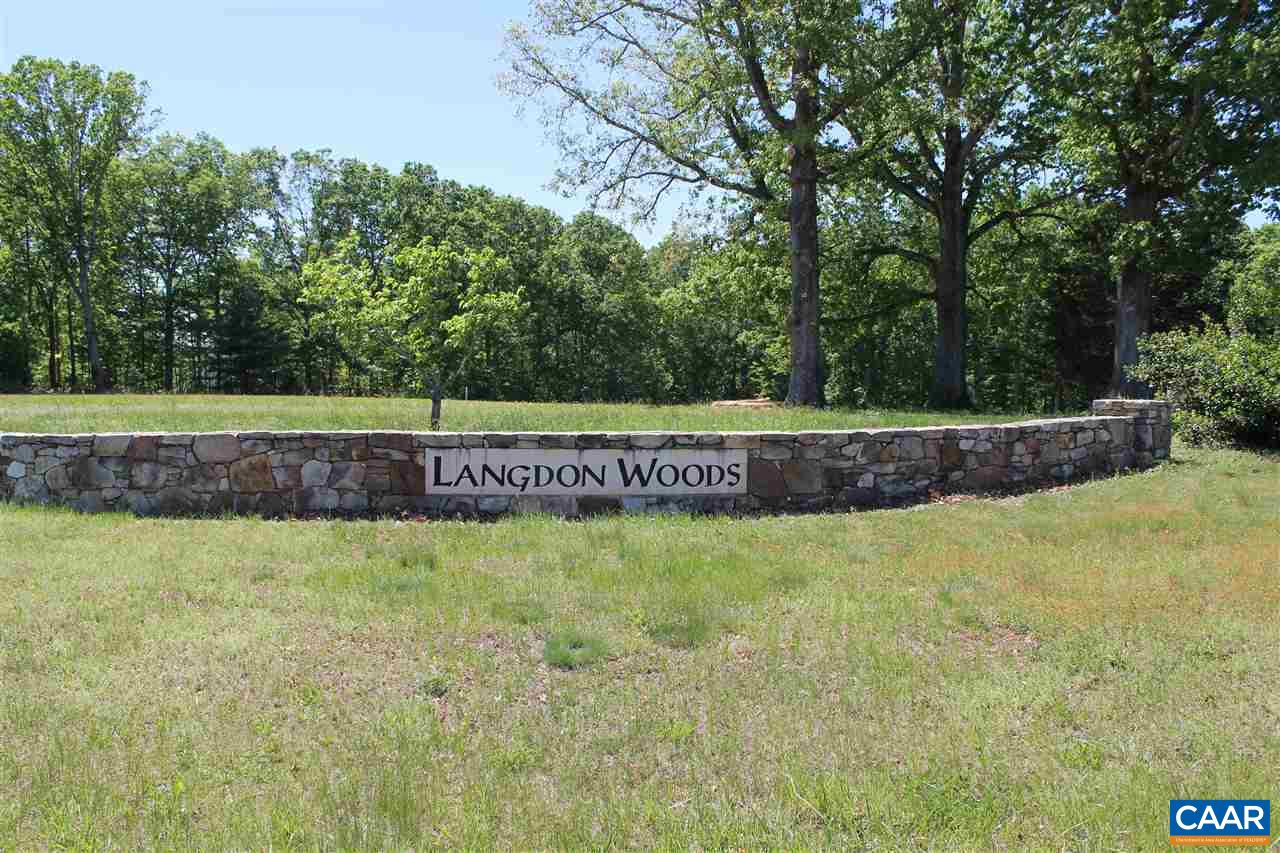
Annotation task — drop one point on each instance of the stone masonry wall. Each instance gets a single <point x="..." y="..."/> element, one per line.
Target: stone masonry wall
<point x="278" y="474"/>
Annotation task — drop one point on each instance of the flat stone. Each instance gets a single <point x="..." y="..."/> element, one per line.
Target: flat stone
<point x="408" y="478"/>
<point x="346" y="475"/>
<point x="176" y="500"/>
<point x="58" y="478"/>
<point x="216" y="447"/>
<point x="802" y="477"/>
<point x="251" y="475"/>
<point x="16" y="470"/>
<point x="317" y="499"/>
<point x="765" y="480"/>
<point x="204" y="478"/>
<point x="112" y="444"/>
<point x="395" y="440"/>
<point x="31" y="489"/>
<point x="775" y="451"/>
<point x="147" y="475"/>
<point x="143" y="447"/>
<point x="315" y="474"/>
<point x="87" y="473"/>
<point x="493" y="504"/>
<point x="252" y="446"/>
<point x="599" y="505"/>
<point x="354" y="502"/>
<point x="648" y="440"/>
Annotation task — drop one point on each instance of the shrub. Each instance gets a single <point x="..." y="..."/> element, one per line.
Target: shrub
<point x="572" y="649"/>
<point x="1227" y="387"/>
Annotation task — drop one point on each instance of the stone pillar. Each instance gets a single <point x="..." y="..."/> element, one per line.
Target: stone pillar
<point x="1151" y="430"/>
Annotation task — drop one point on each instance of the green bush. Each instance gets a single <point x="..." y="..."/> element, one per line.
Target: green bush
<point x="1227" y="387"/>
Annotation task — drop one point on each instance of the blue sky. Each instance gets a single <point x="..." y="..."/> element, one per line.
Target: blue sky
<point x="386" y="82"/>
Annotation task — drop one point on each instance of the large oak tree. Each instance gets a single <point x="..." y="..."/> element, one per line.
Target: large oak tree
<point x="744" y="96"/>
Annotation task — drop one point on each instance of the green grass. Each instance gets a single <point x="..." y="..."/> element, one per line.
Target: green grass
<point x="50" y="413"/>
<point x="1041" y="672"/>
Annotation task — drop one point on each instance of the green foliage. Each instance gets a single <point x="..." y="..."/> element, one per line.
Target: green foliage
<point x="1227" y="386"/>
<point x="571" y="648"/>
<point x="1253" y="281"/>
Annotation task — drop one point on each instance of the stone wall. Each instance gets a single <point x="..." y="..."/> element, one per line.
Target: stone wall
<point x="376" y="473"/>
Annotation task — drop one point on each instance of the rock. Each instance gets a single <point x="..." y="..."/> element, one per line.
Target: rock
<point x="176" y="500"/>
<point x="271" y="505"/>
<point x="57" y="478"/>
<point x="316" y="474"/>
<point x="138" y="502"/>
<point x="911" y="447"/>
<point x="354" y="502"/>
<point x="251" y="475"/>
<point x="952" y="455"/>
<point x="404" y="440"/>
<point x="252" y="446"/>
<point x="204" y="478"/>
<point x="867" y="481"/>
<point x="288" y="477"/>
<point x="494" y="504"/>
<point x="316" y="499"/>
<point x="87" y="473"/>
<point x="649" y="440"/>
<point x="984" y="478"/>
<point x="143" y="448"/>
<point x="802" y="477"/>
<point x="347" y="475"/>
<point x="90" y="501"/>
<point x="587" y="505"/>
<point x="112" y="444"/>
<point x="16" y="470"/>
<point x="408" y="478"/>
<point x="765" y="480"/>
<point x="775" y="451"/>
<point x="147" y="475"/>
<point x="216" y="447"/>
<point x="31" y="489"/>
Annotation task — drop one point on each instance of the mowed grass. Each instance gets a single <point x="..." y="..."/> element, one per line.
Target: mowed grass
<point x="66" y="413"/>
<point x="1041" y="672"/>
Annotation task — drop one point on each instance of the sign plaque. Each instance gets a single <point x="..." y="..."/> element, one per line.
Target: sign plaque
<point x="495" y="471"/>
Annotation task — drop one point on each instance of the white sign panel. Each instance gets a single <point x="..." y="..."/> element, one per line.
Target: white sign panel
<point x="494" y="471"/>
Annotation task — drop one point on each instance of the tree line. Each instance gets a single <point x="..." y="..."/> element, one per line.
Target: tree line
<point x="949" y="202"/>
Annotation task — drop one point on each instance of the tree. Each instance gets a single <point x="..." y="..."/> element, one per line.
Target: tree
<point x="193" y="203"/>
<point x="738" y="95"/>
<point x="967" y="137"/>
<point x="62" y="126"/>
<point x="1170" y="101"/>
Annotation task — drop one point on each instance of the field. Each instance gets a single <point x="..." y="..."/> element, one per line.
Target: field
<point x="136" y="413"/>
<point x="1038" y="672"/>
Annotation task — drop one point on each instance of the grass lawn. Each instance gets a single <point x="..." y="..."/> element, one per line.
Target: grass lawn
<point x="1040" y="672"/>
<point x="64" y="413"/>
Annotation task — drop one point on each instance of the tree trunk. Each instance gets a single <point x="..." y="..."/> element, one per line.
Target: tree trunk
<point x="435" y="403"/>
<point x="805" y="388"/>
<point x="51" y="315"/>
<point x="71" y="344"/>
<point x="168" y="334"/>
<point x="1133" y="300"/>
<point x="951" y="279"/>
<point x="90" y="328"/>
